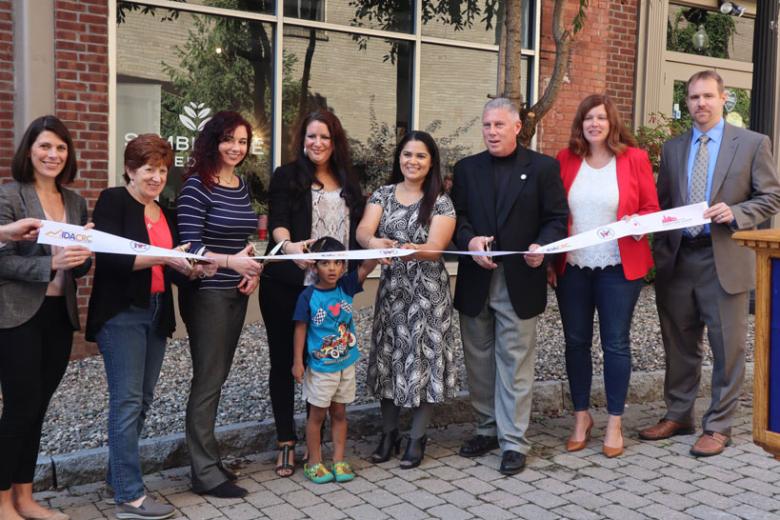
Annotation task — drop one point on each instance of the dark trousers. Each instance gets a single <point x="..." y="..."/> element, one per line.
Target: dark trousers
<point x="277" y="304"/>
<point x="214" y="319"/>
<point x="580" y="293"/>
<point x="33" y="359"/>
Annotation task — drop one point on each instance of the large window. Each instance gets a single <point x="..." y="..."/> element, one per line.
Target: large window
<point x="382" y="67"/>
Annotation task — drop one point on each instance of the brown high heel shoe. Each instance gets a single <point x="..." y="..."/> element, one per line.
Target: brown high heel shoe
<point x="614" y="451"/>
<point x="580" y="445"/>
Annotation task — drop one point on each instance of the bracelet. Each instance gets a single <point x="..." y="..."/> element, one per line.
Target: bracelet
<point x="283" y="243"/>
<point x="227" y="261"/>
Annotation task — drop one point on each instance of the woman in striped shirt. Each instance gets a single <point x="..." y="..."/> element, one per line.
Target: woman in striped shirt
<point x="216" y="218"/>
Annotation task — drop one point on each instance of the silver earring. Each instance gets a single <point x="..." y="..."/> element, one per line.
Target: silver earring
<point x="305" y="151"/>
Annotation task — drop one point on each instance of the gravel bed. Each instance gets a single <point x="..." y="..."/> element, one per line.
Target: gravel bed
<point x="78" y="413"/>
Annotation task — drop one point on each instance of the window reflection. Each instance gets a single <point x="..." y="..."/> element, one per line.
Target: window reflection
<point x="388" y="15"/>
<point x="365" y="81"/>
<point x="175" y="72"/>
<point x="728" y="37"/>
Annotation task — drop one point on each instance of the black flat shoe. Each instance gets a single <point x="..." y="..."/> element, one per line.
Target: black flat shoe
<point x="388" y="443"/>
<point x="226" y="490"/>
<point x="478" y="445"/>
<point x="512" y="463"/>
<point x="415" y="452"/>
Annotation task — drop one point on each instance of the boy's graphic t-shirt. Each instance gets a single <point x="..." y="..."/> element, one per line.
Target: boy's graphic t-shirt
<point x="331" y="344"/>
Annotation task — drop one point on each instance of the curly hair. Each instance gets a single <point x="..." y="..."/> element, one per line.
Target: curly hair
<point x="433" y="186"/>
<point x="340" y="162"/>
<point x="619" y="137"/>
<point x="205" y="160"/>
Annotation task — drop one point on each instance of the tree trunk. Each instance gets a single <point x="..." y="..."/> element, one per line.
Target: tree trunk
<point x="513" y="57"/>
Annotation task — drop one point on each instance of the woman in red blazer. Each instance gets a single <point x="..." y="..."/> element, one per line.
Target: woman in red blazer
<point x="606" y="178"/>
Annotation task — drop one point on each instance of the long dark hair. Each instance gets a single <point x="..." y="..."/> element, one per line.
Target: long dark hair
<point x="21" y="166"/>
<point x="340" y="162"/>
<point x="433" y="186"/>
<point x="205" y="159"/>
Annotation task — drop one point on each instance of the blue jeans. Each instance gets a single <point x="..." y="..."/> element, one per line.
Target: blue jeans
<point x="133" y="354"/>
<point x="580" y="292"/>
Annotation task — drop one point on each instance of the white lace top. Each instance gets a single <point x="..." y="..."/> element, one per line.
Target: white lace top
<point x="593" y="202"/>
<point x="329" y="217"/>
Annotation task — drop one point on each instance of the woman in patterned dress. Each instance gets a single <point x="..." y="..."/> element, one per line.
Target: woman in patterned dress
<point x="411" y="359"/>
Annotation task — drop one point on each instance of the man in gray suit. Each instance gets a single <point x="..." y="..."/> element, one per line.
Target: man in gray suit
<point x="703" y="277"/>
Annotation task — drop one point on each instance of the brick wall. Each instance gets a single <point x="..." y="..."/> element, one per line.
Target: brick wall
<point x="602" y="60"/>
<point x="81" y="75"/>
<point x="6" y="88"/>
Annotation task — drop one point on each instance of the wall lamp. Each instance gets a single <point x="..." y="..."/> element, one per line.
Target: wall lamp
<point x="732" y="8"/>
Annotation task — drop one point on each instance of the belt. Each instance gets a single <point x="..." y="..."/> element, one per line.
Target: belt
<point x="698" y="242"/>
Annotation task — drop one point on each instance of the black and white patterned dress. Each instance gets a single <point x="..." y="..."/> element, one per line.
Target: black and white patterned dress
<point x="411" y="359"/>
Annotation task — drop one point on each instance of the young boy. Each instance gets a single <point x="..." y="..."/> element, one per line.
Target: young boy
<point x="324" y="326"/>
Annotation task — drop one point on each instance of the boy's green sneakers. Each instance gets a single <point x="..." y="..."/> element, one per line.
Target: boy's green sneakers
<point x="343" y="471"/>
<point x="318" y="473"/>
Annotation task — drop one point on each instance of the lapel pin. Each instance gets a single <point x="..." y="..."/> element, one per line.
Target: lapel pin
<point x="523" y="177"/>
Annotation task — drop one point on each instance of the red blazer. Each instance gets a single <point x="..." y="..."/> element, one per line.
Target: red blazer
<point x="636" y="195"/>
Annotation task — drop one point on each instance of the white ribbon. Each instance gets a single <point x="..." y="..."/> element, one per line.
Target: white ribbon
<point x="59" y="234"/>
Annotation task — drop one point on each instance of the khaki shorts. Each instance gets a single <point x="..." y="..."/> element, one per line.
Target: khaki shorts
<point x="322" y="388"/>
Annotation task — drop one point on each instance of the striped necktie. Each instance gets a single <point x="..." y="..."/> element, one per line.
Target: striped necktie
<point x="698" y="191"/>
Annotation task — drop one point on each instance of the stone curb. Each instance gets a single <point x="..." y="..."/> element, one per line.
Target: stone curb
<point x="170" y="451"/>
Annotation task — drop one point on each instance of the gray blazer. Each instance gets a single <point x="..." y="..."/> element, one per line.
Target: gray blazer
<point x="744" y="178"/>
<point x="25" y="267"/>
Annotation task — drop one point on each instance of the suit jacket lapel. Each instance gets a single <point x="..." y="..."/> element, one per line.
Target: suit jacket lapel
<point x="520" y="177"/>
<point x="32" y="206"/>
<point x="681" y="177"/>
<point x="728" y="149"/>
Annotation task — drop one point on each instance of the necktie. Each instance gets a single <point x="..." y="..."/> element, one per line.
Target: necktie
<point x="698" y="191"/>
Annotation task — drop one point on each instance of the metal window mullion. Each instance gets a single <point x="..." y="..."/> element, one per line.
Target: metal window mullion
<point x="204" y="9"/>
<point x="112" y="96"/>
<point x="536" y="60"/>
<point x="417" y="50"/>
<point x="276" y="134"/>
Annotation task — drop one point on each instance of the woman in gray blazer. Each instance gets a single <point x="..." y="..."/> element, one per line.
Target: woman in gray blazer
<point x="38" y="308"/>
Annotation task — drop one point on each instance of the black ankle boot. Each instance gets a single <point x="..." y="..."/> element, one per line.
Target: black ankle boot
<point x="415" y="451"/>
<point x="387" y="444"/>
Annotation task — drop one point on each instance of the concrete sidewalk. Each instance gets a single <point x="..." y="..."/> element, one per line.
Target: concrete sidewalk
<point x="651" y="480"/>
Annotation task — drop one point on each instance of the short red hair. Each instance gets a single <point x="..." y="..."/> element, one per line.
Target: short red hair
<point x="147" y="149"/>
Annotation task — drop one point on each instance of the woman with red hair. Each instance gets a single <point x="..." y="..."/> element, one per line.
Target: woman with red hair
<point x="606" y="178"/>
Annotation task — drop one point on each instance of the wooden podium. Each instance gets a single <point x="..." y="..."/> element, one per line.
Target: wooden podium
<point x="766" y="373"/>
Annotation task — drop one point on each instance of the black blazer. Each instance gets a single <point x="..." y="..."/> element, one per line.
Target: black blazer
<point x="294" y="213"/>
<point x="532" y="210"/>
<point x="116" y="286"/>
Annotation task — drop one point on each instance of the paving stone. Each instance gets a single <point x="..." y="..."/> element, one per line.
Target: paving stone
<point x="602" y="474"/>
<point x="490" y="512"/>
<point x="188" y="498"/>
<point x="375" y="474"/>
<point x="592" y="485"/>
<point x="410" y="475"/>
<point x="261" y="499"/>
<point x="421" y="498"/>
<point x="587" y="499"/>
<point x="554" y="486"/>
<point x="678" y="473"/>
<point x="85" y="512"/>
<point x="709" y="513"/>
<point x="281" y="486"/>
<point x="673" y="485"/>
<point x="302" y="498"/>
<point x="447" y="473"/>
<point x="533" y="512"/>
<point x="380" y="498"/>
<point x="759" y="473"/>
<point x="503" y="499"/>
<point x="365" y="512"/>
<point x="529" y="475"/>
<point x="324" y="511"/>
<point x="321" y="489"/>
<point x="343" y="498"/>
<point x="544" y="499"/>
<point x="759" y="501"/>
<point x="672" y="500"/>
<point x="484" y="473"/>
<point x="203" y="511"/>
<point x="643" y="461"/>
<point x="474" y="485"/>
<point x="456" y="461"/>
<point x="222" y="502"/>
<point x="638" y="473"/>
<point x="686" y="462"/>
<point x="576" y="512"/>
<point x="460" y="498"/>
<point x="751" y="513"/>
<point x="619" y="512"/>
<point x="624" y="498"/>
<point x="662" y="512"/>
<point x="717" y="473"/>
<point x="397" y="485"/>
<point x="405" y="511"/>
<point x="716" y="486"/>
<point x="283" y="512"/>
<point x="757" y="486"/>
<point x="435" y="485"/>
<point x="449" y="512"/>
<point x="708" y="498"/>
<point x="241" y="512"/>
<point x="570" y="461"/>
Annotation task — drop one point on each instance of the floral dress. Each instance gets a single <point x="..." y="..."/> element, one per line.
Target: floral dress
<point x="411" y="359"/>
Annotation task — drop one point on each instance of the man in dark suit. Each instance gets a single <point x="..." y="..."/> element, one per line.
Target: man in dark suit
<point x="703" y="277"/>
<point x="506" y="198"/>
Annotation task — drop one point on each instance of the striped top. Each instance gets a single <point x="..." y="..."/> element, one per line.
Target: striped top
<point x="218" y="220"/>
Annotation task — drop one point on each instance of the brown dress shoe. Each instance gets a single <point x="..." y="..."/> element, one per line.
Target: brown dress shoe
<point x="572" y="445"/>
<point x="664" y="429"/>
<point x="709" y="444"/>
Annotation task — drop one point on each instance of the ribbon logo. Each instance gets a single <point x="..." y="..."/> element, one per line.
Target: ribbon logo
<point x="139" y="247"/>
<point x="606" y="233"/>
<point x="72" y="237"/>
